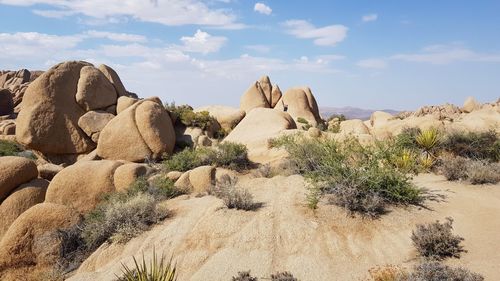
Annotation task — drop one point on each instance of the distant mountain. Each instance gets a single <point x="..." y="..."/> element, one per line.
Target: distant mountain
<point x="352" y="112"/>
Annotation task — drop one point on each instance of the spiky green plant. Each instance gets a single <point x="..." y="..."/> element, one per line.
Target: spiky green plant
<point x="158" y="270"/>
<point x="428" y="139"/>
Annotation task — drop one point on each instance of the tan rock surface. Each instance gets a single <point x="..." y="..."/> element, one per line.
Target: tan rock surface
<point x="94" y="90"/>
<point x="15" y="171"/>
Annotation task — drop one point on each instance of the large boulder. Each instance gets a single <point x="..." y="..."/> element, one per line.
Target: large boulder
<point x="82" y="185"/>
<point x="257" y="128"/>
<point x="275" y="95"/>
<point x="470" y="105"/>
<point x="114" y="79"/>
<point x="254" y="97"/>
<point x="20" y="200"/>
<point x="93" y="122"/>
<point x="32" y="242"/>
<point x="354" y="126"/>
<point x="228" y="117"/>
<point x="202" y="178"/>
<point x="15" y="171"/>
<point x="124" y="102"/>
<point x="127" y="174"/>
<point x="48" y="121"/>
<point x="379" y="118"/>
<point x="6" y="103"/>
<point x="300" y="103"/>
<point x="94" y="90"/>
<point x="145" y="126"/>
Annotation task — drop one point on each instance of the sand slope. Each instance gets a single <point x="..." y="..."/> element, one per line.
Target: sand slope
<point x="210" y="242"/>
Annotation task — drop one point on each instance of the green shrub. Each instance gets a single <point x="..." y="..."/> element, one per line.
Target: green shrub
<point x="436" y="240"/>
<point x="481" y="172"/>
<point x="454" y="168"/>
<point x="8" y="148"/>
<point x="159" y="269"/>
<point x="244" y="276"/>
<point x="483" y="145"/>
<point x="361" y="179"/>
<point x="435" y="271"/>
<point x="302" y="120"/>
<point x="340" y="117"/>
<point x="228" y="155"/>
<point x="185" y="115"/>
<point x="408" y="138"/>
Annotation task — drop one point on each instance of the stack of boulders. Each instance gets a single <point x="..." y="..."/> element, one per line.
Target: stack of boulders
<point x="16" y="83"/>
<point x="66" y="111"/>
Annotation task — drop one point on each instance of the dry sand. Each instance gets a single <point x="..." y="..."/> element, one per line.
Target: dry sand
<point x="211" y="242"/>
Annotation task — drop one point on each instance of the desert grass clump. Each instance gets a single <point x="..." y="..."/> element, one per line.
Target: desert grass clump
<point x="186" y="160"/>
<point x="408" y="138"/>
<point x="454" y="168"/>
<point x="474" y="145"/>
<point x="8" y="148"/>
<point x="387" y="273"/>
<point x="437" y="241"/>
<point x="483" y="172"/>
<point x="159" y="269"/>
<point x="435" y="271"/>
<point x="360" y="179"/>
<point x="233" y="196"/>
<point x="244" y="276"/>
<point x="231" y="155"/>
<point x="283" y="276"/>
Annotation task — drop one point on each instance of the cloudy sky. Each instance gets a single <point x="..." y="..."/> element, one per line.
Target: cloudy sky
<point x="365" y="53"/>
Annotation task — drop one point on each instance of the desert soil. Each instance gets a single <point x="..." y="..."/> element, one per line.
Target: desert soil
<point x="211" y="242"/>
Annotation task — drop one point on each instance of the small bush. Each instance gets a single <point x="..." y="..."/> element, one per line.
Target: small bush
<point x="481" y="172"/>
<point x="387" y="273"/>
<point x="283" y="276"/>
<point x="361" y="179"/>
<point x="233" y="196"/>
<point x="185" y="115"/>
<point x="8" y="148"/>
<point x="340" y="117"/>
<point x="454" y="168"/>
<point x="436" y="240"/>
<point x="302" y="120"/>
<point x="408" y="138"/>
<point x="483" y="145"/>
<point x="435" y="271"/>
<point x="228" y="155"/>
<point x="159" y="269"/>
<point x="244" y="276"/>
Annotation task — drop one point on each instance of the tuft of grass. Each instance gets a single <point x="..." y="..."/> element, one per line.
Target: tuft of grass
<point x="244" y="276"/>
<point x="360" y="179"/>
<point x="233" y="196"/>
<point x="435" y="271"/>
<point x="387" y="273"/>
<point x="8" y="148"/>
<point x="454" y="168"/>
<point x="474" y="145"/>
<point x="482" y="172"/>
<point x="283" y="276"/>
<point x="159" y="269"/>
<point x="436" y="240"/>
<point x="228" y="155"/>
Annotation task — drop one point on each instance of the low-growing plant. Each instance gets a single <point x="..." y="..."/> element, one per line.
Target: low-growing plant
<point x="283" y="276"/>
<point x="408" y="138"/>
<point x="229" y="155"/>
<point x="437" y="241"/>
<point x="159" y="269"/>
<point x="244" y="276"/>
<point x="387" y="273"/>
<point x="428" y="140"/>
<point x="302" y="120"/>
<point x="186" y="115"/>
<point x="8" y="148"/>
<point x="481" y="172"/>
<point x="361" y="179"/>
<point x="339" y="117"/>
<point x="475" y="145"/>
<point x="233" y="196"/>
<point x="435" y="271"/>
<point x="454" y="168"/>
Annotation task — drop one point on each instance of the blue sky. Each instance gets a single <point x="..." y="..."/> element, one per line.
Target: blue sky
<point x="366" y="53"/>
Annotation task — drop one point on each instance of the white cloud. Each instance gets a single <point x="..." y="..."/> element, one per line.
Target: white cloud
<point x="203" y="42"/>
<point x="121" y="37"/>
<point x="445" y="54"/>
<point x="323" y="36"/>
<point x="370" y="17"/>
<point x="262" y="8"/>
<point x="372" y="63"/>
<point x="167" y="12"/>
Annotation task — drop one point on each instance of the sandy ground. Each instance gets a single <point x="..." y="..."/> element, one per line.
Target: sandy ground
<point x="210" y="242"/>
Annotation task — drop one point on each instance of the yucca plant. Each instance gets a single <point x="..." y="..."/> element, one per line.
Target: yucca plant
<point x="428" y="139"/>
<point x="158" y="270"/>
<point x="406" y="160"/>
<point x="426" y="162"/>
